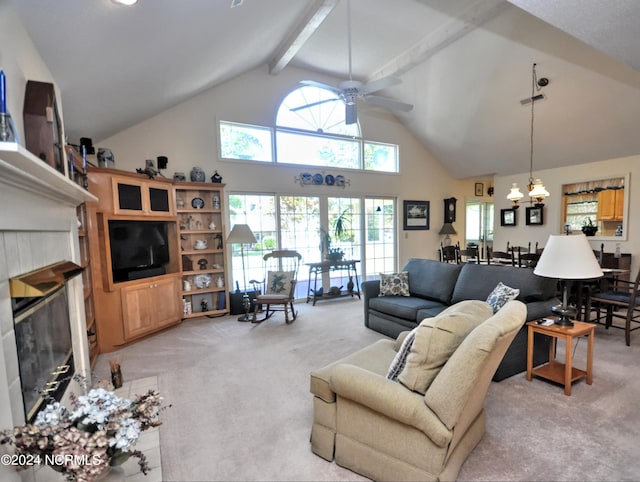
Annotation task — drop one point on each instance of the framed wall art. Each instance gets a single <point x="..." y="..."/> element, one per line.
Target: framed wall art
<point x="479" y="189"/>
<point x="507" y="217"/>
<point x="416" y="215"/>
<point x="535" y="216"/>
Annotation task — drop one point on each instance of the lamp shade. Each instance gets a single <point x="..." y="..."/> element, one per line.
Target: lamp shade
<point x="447" y="228"/>
<point x="515" y="194"/>
<point x="241" y="234"/>
<point x="568" y="257"/>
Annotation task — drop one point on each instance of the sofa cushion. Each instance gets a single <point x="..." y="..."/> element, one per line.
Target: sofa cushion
<point x="405" y="307"/>
<point x="476" y="281"/>
<point x="395" y="284"/>
<point x="437" y="338"/>
<point x="500" y="295"/>
<point x="432" y="279"/>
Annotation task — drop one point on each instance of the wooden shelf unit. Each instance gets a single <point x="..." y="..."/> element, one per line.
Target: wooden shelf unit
<point x="204" y="290"/>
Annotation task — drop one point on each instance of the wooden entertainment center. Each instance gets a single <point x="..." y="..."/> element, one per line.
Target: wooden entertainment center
<point x="138" y="241"/>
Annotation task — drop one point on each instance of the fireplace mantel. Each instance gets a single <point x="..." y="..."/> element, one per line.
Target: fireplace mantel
<point x="19" y="168"/>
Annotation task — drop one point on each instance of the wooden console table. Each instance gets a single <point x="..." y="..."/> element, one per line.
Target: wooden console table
<point x="327" y="266"/>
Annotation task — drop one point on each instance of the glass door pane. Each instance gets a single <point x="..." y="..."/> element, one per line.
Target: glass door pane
<point x="380" y="237"/>
<point x="259" y="212"/>
<point x="300" y="231"/>
<point x="479" y="225"/>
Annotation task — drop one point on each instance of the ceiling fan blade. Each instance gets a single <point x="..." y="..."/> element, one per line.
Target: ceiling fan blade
<point x="379" y="84"/>
<point x="312" y="104"/>
<point x="350" y="114"/>
<point x="387" y="103"/>
<point x="320" y="85"/>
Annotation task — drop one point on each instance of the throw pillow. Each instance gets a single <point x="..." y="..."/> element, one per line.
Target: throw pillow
<point x="399" y="361"/>
<point x="435" y="341"/>
<point x="395" y="284"/>
<point x="500" y="295"/>
<point x="279" y="282"/>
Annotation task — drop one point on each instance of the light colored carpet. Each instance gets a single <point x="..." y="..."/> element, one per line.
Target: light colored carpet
<point x="242" y="408"/>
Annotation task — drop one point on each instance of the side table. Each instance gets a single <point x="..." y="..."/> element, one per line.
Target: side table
<point x="562" y="373"/>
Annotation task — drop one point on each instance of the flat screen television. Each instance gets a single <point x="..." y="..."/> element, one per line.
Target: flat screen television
<point x="139" y="249"/>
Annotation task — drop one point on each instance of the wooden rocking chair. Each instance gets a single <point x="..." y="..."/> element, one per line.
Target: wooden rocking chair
<point x="279" y="284"/>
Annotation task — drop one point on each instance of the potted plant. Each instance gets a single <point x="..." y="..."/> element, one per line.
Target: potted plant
<point x="340" y="232"/>
<point x="588" y="228"/>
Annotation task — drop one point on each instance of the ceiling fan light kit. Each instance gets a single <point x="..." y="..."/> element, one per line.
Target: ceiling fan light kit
<point x="349" y="91"/>
<point x="537" y="192"/>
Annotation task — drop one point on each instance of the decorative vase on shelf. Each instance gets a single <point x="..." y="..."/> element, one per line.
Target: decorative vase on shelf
<point x="197" y="175"/>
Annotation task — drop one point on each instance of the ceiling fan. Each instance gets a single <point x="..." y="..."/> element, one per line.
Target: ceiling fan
<point x="349" y="91"/>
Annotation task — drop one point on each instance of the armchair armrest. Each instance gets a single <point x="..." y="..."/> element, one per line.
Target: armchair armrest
<point x="390" y="399"/>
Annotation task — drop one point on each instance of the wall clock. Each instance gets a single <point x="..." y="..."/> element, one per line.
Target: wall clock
<point x="450" y="210"/>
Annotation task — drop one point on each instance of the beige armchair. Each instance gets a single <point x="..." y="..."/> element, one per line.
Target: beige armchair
<point x="381" y="429"/>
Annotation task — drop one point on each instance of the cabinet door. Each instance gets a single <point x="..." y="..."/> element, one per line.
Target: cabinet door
<point x="137" y="314"/>
<point x="160" y="198"/>
<point x="128" y="196"/>
<point x="606" y="205"/>
<point x="618" y="211"/>
<point x="150" y="306"/>
<point x="165" y="305"/>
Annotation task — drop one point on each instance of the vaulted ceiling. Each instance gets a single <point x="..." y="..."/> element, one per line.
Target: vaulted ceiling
<point x="464" y="65"/>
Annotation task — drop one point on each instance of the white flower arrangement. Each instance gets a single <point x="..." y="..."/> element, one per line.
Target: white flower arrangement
<point x="100" y="431"/>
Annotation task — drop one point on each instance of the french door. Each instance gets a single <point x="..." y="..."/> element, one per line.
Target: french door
<point x="367" y="233"/>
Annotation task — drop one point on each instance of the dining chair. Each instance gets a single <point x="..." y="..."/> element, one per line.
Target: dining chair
<point x="469" y="255"/>
<point x="505" y="258"/>
<point x="621" y="302"/>
<point x="526" y="259"/>
<point x="449" y="254"/>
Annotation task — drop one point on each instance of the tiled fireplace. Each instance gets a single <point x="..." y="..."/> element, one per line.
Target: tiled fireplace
<point x="38" y="227"/>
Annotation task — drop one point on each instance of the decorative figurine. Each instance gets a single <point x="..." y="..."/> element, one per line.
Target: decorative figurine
<point x="204" y="305"/>
<point x="202" y="263"/>
<point x="216" y="178"/>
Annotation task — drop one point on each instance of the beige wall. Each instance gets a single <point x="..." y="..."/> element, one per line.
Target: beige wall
<point x="553" y="180"/>
<point x="187" y="135"/>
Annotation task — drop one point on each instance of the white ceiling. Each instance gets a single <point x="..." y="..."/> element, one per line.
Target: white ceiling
<point x="465" y="65"/>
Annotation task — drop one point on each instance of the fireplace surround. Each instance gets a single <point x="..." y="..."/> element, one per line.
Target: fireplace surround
<point x="38" y="228"/>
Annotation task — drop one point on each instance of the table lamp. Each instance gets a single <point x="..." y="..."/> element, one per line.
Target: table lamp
<point x="447" y="228"/>
<point x="241" y="234"/>
<point x="567" y="258"/>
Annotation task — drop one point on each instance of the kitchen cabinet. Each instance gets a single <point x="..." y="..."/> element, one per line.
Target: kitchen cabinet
<point x="611" y="205"/>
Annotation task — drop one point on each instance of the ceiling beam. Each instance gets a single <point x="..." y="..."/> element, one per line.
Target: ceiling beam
<point x="470" y="18"/>
<point x="300" y="33"/>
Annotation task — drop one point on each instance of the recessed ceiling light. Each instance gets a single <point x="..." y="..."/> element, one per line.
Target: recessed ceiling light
<point x="128" y="3"/>
<point x="236" y="3"/>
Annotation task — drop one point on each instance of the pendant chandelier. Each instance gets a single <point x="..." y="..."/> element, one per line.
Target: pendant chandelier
<point x="537" y="191"/>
